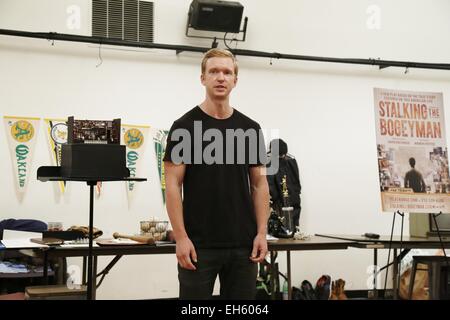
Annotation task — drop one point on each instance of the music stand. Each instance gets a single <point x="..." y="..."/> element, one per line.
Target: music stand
<point x="53" y="173"/>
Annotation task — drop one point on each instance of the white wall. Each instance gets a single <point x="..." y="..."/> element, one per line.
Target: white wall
<point x="323" y="111"/>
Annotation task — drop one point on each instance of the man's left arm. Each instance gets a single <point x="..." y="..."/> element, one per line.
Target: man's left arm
<point x="260" y="198"/>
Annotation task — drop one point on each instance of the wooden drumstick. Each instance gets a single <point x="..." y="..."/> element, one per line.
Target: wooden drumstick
<point x="140" y="239"/>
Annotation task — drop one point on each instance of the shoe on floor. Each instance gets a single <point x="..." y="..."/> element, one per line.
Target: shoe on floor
<point x="340" y="291"/>
<point x="308" y="290"/>
<point x="323" y="289"/>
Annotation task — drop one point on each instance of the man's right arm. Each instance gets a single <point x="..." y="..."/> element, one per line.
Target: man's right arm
<point x="174" y="176"/>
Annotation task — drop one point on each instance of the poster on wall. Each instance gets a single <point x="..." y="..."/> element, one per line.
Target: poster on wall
<point x="57" y="136"/>
<point x="21" y="133"/>
<point x="412" y="151"/>
<point x="134" y="138"/>
<point x="160" y="140"/>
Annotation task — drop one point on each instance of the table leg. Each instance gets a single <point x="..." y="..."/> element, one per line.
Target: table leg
<point x="272" y="275"/>
<point x="395" y="272"/>
<point x="45" y="271"/>
<point x="84" y="281"/>
<point x="375" y="273"/>
<point x="94" y="279"/>
<point x="91" y="241"/>
<point x="288" y="256"/>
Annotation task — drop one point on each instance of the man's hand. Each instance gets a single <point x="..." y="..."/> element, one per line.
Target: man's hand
<point x="259" y="248"/>
<point x="185" y="251"/>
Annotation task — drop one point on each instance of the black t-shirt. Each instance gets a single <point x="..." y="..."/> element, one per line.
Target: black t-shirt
<point x="217" y="205"/>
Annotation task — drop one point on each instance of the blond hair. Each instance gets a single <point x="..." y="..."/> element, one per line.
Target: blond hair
<point x="219" y="53"/>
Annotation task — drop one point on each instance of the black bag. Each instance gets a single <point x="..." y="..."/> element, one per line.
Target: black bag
<point x="287" y="168"/>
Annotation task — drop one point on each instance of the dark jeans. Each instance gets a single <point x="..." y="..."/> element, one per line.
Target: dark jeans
<point x="237" y="275"/>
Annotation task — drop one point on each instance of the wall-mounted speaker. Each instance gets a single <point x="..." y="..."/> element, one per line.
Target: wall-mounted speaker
<point x="215" y="15"/>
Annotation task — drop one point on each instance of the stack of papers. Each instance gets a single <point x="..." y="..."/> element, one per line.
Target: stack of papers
<point x="20" y="239"/>
<point x="21" y="244"/>
<point x="164" y="243"/>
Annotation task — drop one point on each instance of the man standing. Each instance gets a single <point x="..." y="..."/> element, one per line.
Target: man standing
<point x="215" y="155"/>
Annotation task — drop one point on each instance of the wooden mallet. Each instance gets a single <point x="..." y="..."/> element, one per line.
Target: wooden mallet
<point x="140" y="239"/>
